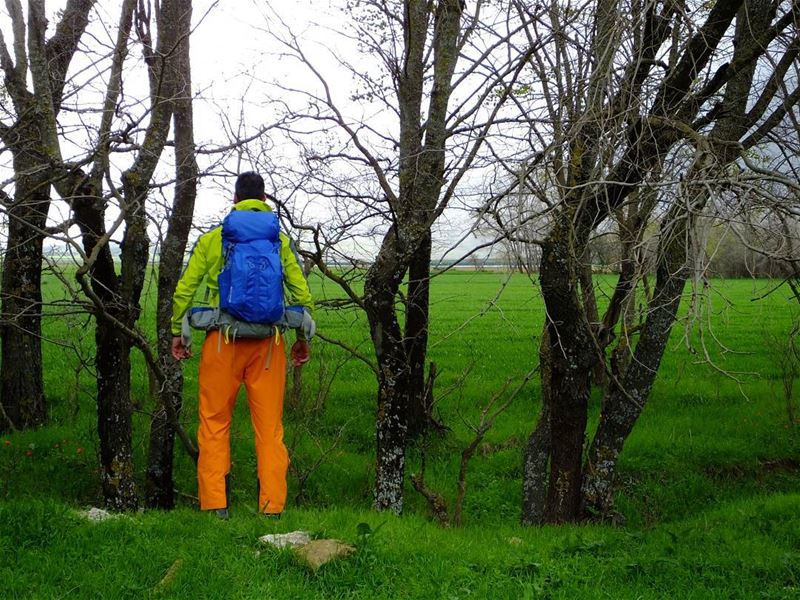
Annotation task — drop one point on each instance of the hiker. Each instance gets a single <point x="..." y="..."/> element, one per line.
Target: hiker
<point x="252" y="263"/>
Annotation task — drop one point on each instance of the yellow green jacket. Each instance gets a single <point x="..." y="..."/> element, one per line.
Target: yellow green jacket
<point x="206" y="263"/>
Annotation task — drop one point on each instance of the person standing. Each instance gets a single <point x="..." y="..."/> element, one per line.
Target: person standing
<point x="226" y="362"/>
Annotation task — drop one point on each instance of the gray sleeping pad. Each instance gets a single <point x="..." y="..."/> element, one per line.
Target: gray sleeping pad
<point x="209" y="318"/>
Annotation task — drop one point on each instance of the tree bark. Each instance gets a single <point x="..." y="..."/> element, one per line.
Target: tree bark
<point x="119" y="295"/>
<point x="381" y="286"/>
<point x="114" y="417"/>
<point x="21" y="385"/>
<point x="646" y="139"/>
<point x="112" y="362"/>
<point x="536" y="457"/>
<point x="622" y="407"/>
<point x="416" y="339"/>
<point x="134" y="258"/>
<point x="33" y="142"/>
<point x="159" y="490"/>
<point x="589" y="299"/>
<point x="421" y="176"/>
<point x="572" y="356"/>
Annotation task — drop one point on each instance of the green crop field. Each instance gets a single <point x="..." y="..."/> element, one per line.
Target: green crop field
<point x="710" y="477"/>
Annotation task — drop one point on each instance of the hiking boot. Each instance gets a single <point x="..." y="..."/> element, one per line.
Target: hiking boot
<point x="272" y="516"/>
<point x="222" y="514"/>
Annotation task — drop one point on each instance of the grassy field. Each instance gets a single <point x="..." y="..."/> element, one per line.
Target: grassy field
<point x="710" y="476"/>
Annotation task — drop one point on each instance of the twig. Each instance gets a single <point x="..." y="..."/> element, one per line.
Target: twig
<point x="485" y="425"/>
<point x="349" y="349"/>
<point x="140" y="342"/>
<point x="8" y="419"/>
<point x="436" y="502"/>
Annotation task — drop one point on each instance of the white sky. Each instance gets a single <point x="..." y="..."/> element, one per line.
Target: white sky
<point x="235" y="57"/>
<point x="234" y="61"/>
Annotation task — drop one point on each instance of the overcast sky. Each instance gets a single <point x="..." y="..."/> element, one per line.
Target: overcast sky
<point x="234" y="61"/>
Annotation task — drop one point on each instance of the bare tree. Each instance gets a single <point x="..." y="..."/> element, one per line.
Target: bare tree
<point x="648" y="111"/>
<point x="115" y="297"/>
<point x="159" y="492"/>
<point x="436" y="74"/>
<point x="29" y="130"/>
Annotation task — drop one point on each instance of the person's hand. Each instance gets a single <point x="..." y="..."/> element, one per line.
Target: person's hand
<point x="301" y="353"/>
<point x="179" y="350"/>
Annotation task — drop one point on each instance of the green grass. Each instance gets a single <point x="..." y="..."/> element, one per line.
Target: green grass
<point x="710" y="475"/>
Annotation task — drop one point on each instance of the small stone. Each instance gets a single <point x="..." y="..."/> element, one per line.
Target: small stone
<point x="295" y="539"/>
<point x="95" y="515"/>
<point x="319" y="552"/>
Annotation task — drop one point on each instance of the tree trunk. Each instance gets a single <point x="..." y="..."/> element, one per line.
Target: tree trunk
<point x="621" y="306"/>
<point x="33" y="141"/>
<point x="21" y="386"/>
<point x="112" y="360"/>
<point x="117" y="297"/>
<point x="536" y="458"/>
<point x="159" y="486"/>
<point x="647" y="139"/>
<point x="421" y="176"/>
<point x="135" y="186"/>
<point x="572" y="356"/>
<point x="391" y="430"/>
<point x="380" y="290"/>
<point x="586" y="279"/>
<point x="159" y="491"/>
<point x="114" y="412"/>
<point x="416" y="339"/>
<point x="621" y="408"/>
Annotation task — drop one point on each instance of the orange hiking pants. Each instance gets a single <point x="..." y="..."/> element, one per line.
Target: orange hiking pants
<point x="224" y="366"/>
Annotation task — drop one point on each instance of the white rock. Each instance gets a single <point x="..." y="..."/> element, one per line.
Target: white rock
<point x="95" y="515"/>
<point x="295" y="539"/>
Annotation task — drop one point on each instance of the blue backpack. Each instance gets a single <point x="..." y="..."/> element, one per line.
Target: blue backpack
<point x="251" y="282"/>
